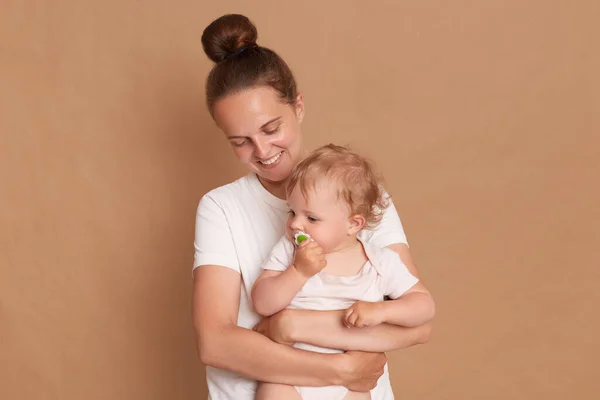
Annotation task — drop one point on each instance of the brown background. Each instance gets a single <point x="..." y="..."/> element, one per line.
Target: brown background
<point x="483" y="116"/>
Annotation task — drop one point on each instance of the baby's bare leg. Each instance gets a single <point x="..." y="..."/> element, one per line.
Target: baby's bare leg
<point x="275" y="391"/>
<point x="357" y="395"/>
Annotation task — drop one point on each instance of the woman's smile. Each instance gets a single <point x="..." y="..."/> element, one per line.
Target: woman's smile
<point x="272" y="162"/>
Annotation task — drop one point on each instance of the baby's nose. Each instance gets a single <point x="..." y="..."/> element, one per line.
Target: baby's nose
<point x="296" y="226"/>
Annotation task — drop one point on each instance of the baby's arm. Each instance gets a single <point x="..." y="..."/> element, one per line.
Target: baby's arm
<point x="274" y="290"/>
<point x="414" y="308"/>
<point x="277" y="285"/>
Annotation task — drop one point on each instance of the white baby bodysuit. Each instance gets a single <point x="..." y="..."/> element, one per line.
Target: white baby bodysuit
<point x="384" y="274"/>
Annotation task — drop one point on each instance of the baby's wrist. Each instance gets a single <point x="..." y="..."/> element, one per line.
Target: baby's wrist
<point x="299" y="273"/>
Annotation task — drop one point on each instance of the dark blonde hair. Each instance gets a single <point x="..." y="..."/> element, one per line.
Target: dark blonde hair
<point x="240" y="63"/>
<point x="354" y="177"/>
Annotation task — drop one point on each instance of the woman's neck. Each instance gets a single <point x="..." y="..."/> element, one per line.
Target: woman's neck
<point x="277" y="189"/>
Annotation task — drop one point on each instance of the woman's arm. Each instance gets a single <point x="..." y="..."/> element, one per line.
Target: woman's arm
<point x="223" y="344"/>
<point x="326" y="328"/>
<point x="273" y="290"/>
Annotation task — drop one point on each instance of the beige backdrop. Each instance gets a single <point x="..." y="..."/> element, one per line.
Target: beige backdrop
<point x="483" y="116"/>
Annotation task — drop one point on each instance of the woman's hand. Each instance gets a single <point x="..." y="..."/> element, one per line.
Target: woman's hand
<point x="362" y="370"/>
<point x="364" y="313"/>
<point x="358" y="371"/>
<point x="277" y="327"/>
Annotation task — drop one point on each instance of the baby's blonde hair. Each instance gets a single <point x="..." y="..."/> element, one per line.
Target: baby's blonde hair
<point x="355" y="178"/>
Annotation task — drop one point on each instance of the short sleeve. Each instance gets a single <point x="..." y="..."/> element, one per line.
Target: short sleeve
<point x="282" y="255"/>
<point x="397" y="279"/>
<point x="389" y="230"/>
<point x="213" y="242"/>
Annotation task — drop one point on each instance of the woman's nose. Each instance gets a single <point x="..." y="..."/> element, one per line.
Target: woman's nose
<point x="261" y="148"/>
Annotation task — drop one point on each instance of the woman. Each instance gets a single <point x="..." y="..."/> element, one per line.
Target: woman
<point x="252" y="97"/>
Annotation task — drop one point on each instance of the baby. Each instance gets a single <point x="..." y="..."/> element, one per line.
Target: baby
<point x="323" y="264"/>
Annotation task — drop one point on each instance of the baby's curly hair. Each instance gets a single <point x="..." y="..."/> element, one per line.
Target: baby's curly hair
<point x="357" y="183"/>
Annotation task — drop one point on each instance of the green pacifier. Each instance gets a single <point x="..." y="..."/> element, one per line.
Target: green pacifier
<point x="300" y="237"/>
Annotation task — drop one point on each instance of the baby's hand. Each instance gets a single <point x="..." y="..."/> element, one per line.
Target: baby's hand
<point x="364" y="313"/>
<point x="309" y="259"/>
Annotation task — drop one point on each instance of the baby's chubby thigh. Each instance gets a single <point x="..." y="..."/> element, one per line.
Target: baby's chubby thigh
<point x="358" y="396"/>
<point x="276" y="391"/>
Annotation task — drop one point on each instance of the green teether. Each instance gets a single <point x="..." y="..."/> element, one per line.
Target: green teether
<point x="300" y="237"/>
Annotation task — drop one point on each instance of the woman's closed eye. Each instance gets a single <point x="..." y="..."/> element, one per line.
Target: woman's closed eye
<point x="272" y="130"/>
<point x="239" y="143"/>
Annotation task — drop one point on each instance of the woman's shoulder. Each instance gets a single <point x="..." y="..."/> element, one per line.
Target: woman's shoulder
<point x="240" y="188"/>
<point x="226" y="198"/>
<point x="243" y="193"/>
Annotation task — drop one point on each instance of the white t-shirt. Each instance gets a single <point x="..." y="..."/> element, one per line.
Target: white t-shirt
<point x="384" y="274"/>
<point x="237" y="226"/>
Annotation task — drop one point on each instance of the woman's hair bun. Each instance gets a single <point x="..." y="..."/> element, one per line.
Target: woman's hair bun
<point x="227" y="35"/>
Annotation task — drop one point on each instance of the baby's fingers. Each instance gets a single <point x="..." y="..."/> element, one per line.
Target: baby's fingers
<point x="351" y="319"/>
<point x="360" y="322"/>
<point x="347" y="314"/>
<point x="306" y="242"/>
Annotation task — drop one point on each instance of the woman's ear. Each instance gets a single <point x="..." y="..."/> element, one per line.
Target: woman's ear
<point x="299" y="107"/>
<point x="355" y="223"/>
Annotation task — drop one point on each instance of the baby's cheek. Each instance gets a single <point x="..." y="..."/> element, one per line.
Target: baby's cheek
<point x="320" y="237"/>
<point x="328" y="239"/>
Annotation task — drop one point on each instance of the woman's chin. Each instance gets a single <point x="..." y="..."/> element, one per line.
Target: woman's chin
<point x="274" y="178"/>
<point x="274" y="175"/>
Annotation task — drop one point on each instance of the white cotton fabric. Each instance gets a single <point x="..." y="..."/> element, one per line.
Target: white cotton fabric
<point x="237" y="226"/>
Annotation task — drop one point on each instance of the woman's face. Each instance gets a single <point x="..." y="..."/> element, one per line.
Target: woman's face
<point x="263" y="131"/>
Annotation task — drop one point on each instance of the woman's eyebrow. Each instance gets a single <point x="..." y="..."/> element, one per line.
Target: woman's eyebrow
<point x="262" y="127"/>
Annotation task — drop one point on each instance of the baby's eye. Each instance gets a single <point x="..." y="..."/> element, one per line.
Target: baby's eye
<point x="291" y="212"/>
<point x="312" y="219"/>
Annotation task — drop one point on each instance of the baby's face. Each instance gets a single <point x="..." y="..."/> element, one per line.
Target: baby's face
<point x="320" y="214"/>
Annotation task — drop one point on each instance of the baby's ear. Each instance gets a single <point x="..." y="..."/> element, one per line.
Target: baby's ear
<point x="355" y="223"/>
